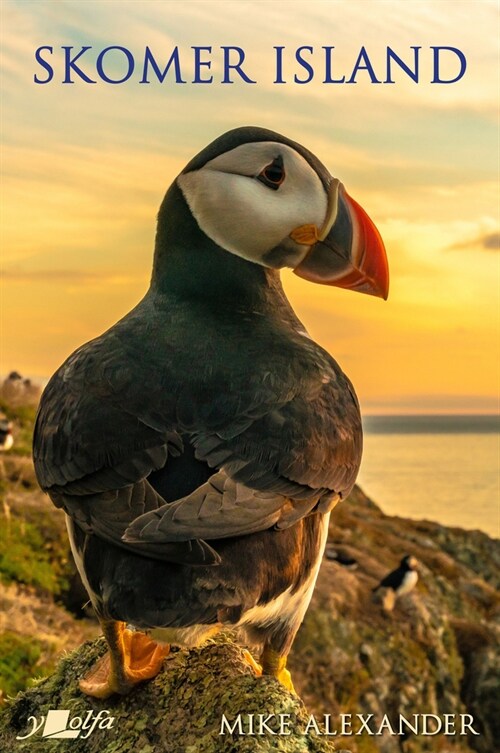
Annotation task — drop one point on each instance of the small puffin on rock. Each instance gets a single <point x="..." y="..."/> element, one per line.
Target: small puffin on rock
<point x="402" y="580"/>
<point x="6" y="438"/>
<point x="199" y="445"/>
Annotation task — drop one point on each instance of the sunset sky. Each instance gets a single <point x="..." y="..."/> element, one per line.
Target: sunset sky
<point x="85" y="166"/>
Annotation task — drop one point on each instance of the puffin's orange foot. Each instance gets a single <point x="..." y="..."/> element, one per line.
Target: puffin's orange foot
<point x="143" y="656"/>
<point x="137" y="658"/>
<point x="285" y="678"/>
<point x="274" y="664"/>
<point x="100" y="682"/>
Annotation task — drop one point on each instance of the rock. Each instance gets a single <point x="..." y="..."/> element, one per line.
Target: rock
<point x="478" y="645"/>
<point x="386" y="598"/>
<point x="435" y="652"/>
<point x="16" y="391"/>
<point x="180" y="711"/>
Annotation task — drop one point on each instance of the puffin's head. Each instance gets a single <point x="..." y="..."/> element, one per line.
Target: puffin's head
<point x="267" y="199"/>
<point x="409" y="562"/>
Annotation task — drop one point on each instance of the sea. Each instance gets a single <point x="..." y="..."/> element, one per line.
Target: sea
<point x="440" y="468"/>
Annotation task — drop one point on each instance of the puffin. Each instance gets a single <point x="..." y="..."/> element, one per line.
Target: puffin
<point x="341" y="557"/>
<point x="198" y="446"/>
<point x="6" y="437"/>
<point x="403" y="579"/>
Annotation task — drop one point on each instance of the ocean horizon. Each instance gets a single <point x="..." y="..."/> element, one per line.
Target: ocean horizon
<point x="444" y="468"/>
<point x="432" y="423"/>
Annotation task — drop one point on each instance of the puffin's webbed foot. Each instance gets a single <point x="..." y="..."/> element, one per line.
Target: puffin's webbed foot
<point x="132" y="658"/>
<point x="274" y="664"/>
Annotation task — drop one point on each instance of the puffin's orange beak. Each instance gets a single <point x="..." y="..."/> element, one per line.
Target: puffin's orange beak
<point x="352" y="253"/>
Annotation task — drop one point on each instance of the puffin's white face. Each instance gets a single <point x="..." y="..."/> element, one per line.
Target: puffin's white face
<point x="249" y="199"/>
<point x="413" y="563"/>
<point x="264" y="202"/>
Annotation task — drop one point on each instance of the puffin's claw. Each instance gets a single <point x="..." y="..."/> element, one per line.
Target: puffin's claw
<point x="248" y="658"/>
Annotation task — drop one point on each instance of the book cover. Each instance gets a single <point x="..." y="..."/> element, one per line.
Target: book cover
<point x="385" y="114"/>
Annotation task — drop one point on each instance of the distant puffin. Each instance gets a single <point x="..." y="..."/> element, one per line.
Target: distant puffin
<point x="403" y="579"/>
<point x="198" y="446"/>
<point x="6" y="438"/>
<point x="341" y="557"/>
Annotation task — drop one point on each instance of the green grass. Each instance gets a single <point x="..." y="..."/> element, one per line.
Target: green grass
<point x="19" y="661"/>
<point x="33" y="542"/>
<point x="26" y="557"/>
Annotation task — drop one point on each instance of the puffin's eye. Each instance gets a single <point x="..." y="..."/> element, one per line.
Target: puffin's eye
<point x="273" y="174"/>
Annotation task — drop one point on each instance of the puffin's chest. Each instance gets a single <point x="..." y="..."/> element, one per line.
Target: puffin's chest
<point x="408" y="583"/>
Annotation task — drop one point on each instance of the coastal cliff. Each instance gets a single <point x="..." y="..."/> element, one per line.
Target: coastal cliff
<point x="435" y="653"/>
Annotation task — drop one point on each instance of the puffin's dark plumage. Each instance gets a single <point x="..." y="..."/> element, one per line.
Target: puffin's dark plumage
<point x="403" y="579"/>
<point x="341" y="557"/>
<point x="198" y="445"/>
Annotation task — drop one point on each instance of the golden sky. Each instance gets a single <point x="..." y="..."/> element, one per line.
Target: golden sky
<point x="84" y="168"/>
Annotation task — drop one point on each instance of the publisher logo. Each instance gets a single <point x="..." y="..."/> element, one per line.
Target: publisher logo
<point x="58" y="724"/>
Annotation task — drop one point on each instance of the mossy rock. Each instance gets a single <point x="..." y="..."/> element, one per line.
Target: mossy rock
<point x="180" y="711"/>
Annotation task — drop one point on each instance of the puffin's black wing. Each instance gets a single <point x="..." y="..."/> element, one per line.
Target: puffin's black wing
<point x="392" y="580"/>
<point x="280" y="423"/>
<point x="93" y="457"/>
<point x="280" y="458"/>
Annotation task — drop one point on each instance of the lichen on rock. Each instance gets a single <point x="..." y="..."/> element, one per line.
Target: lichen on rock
<point x="180" y="711"/>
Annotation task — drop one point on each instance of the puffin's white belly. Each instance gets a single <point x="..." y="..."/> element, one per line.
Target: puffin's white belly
<point x="409" y="582"/>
